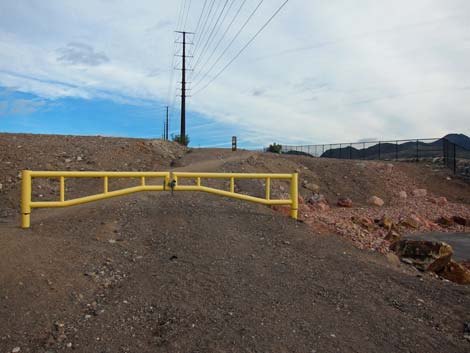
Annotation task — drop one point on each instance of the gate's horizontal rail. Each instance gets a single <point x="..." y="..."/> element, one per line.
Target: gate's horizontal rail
<point x="192" y="175"/>
<point x="170" y="180"/>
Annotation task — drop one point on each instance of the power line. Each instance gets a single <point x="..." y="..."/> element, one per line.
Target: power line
<point x="198" y="38"/>
<point x="244" y="47"/>
<point x="210" y="38"/>
<point x="200" y="17"/>
<point x="187" y="14"/>
<point x="231" y="42"/>
<point x="180" y="15"/>
<point x="172" y="60"/>
<point x="220" y="41"/>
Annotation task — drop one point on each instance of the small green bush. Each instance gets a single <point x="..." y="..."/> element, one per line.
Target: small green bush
<point x="275" y="148"/>
<point x="183" y="141"/>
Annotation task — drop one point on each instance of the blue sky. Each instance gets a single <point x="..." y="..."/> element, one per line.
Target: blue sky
<point x="25" y="112"/>
<point x="321" y="72"/>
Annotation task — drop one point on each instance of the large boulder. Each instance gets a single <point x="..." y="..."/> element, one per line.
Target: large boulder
<point x="425" y="255"/>
<point x="456" y="272"/>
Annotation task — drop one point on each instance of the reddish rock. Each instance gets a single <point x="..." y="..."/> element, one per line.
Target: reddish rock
<point x="419" y="192"/>
<point x="456" y="272"/>
<point x="284" y="210"/>
<point x="424" y="255"/>
<point x="412" y="221"/>
<point x="364" y="222"/>
<point x="301" y="200"/>
<point x="440" y="201"/>
<point x="375" y="201"/>
<point x="344" y="202"/>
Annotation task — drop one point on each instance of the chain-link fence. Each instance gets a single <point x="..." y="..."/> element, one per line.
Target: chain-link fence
<point x="436" y="150"/>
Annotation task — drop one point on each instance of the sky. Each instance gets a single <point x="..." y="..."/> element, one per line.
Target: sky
<point x="319" y="72"/>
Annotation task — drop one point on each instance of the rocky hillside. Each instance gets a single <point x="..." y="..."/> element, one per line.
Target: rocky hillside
<point x="58" y="152"/>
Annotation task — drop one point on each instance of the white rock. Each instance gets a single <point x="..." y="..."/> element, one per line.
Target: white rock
<point x="419" y="192"/>
<point x="16" y="350"/>
<point x="376" y="201"/>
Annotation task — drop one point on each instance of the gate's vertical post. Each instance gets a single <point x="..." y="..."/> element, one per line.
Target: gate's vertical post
<point x="294" y="189"/>
<point x="105" y="184"/>
<point x="62" y="189"/>
<point x="232" y="184"/>
<point x="268" y="188"/>
<point x="25" y="199"/>
<point x="142" y="181"/>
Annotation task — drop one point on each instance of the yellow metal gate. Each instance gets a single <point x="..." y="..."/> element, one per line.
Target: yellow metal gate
<point x="170" y="181"/>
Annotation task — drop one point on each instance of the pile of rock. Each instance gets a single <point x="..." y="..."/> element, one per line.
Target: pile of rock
<point x="431" y="256"/>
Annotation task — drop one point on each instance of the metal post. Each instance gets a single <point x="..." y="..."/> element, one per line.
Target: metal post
<point x="340" y="150"/>
<point x="62" y="188"/>
<point x="379" y="150"/>
<point x="105" y="184"/>
<point x="294" y="196"/>
<point x="350" y="151"/>
<point x="26" y="190"/>
<point x="363" y="150"/>
<point x="396" y="151"/>
<point x="268" y="188"/>
<point x="417" y="150"/>
<point x="455" y="159"/>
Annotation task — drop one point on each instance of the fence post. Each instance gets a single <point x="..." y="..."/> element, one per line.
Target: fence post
<point x="350" y="151"/>
<point x="455" y="158"/>
<point x="379" y="150"/>
<point x="294" y="189"/>
<point x="26" y="198"/>
<point x="396" y="151"/>
<point x="417" y="150"/>
<point x="340" y="150"/>
<point x="363" y="150"/>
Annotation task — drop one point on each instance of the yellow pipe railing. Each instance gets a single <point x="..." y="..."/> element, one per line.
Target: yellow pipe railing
<point x="26" y="190"/>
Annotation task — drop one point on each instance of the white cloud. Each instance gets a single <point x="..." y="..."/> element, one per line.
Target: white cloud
<point x="321" y="72"/>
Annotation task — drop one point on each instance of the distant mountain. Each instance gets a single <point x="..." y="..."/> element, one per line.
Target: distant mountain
<point x="387" y="150"/>
<point x="459" y="139"/>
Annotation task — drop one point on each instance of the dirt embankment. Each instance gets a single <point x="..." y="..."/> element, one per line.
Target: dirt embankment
<point x="195" y="272"/>
<point x="57" y="152"/>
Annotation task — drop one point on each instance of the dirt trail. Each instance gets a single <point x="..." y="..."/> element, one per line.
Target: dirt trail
<point x="198" y="273"/>
<point x="195" y="272"/>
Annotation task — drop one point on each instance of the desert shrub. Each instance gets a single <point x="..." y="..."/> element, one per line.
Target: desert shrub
<point x="274" y="148"/>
